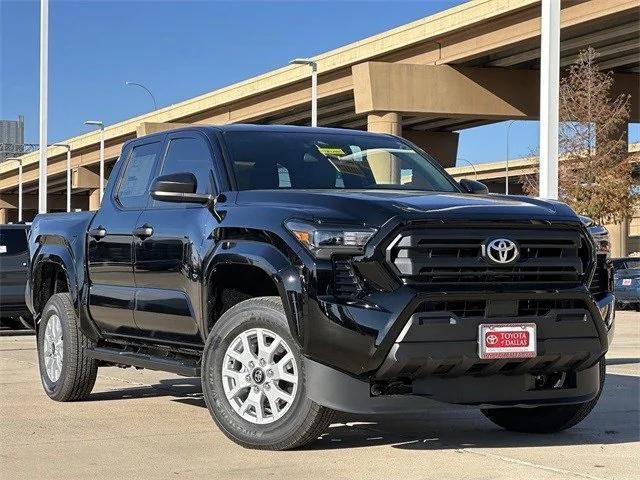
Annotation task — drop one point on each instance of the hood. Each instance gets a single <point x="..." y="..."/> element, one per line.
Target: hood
<point x="375" y="207"/>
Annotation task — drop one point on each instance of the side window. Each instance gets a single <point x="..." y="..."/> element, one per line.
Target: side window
<point x="191" y="155"/>
<point x="136" y="179"/>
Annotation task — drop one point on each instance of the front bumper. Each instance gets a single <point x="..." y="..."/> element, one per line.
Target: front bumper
<point x="360" y="349"/>
<point x="334" y="389"/>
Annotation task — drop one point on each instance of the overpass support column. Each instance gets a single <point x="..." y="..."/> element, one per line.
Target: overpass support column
<point x="619" y="238"/>
<point x="384" y="165"/>
<point x="443" y="146"/>
<point x="385" y="122"/>
<point x="94" y="199"/>
<point x="3" y="215"/>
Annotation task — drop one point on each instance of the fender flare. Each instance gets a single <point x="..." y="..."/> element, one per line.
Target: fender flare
<point x="266" y="257"/>
<point x="59" y="256"/>
<point x="57" y="250"/>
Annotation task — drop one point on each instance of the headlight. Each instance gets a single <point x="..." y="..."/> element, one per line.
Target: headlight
<point x="325" y="240"/>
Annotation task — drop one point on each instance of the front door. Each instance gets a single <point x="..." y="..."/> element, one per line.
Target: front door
<point x="110" y="242"/>
<point x="167" y="248"/>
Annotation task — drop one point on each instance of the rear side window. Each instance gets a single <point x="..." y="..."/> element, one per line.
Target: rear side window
<point x="188" y="155"/>
<point x="13" y="241"/>
<point x="136" y="179"/>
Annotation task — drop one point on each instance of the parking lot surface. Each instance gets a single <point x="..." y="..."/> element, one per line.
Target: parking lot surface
<point x="144" y="424"/>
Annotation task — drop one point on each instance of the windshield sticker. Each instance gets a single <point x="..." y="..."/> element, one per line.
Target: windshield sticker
<point x="331" y="151"/>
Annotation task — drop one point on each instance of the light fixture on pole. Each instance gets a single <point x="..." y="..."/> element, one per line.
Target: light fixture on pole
<point x="506" y="178"/>
<point x="19" y="160"/>
<point x="44" y="74"/>
<point x="68" y="147"/>
<point x="155" y="105"/>
<point x="100" y="125"/>
<point x="314" y="86"/>
<point x="472" y="166"/>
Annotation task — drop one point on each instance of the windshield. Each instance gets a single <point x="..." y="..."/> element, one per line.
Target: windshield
<point x="316" y="160"/>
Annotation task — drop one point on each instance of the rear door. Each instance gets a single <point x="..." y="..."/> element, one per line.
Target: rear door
<point x="14" y="258"/>
<point x="110" y="242"/>
<point x="167" y="259"/>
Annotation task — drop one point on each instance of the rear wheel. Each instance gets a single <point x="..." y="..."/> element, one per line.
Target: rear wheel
<point x="66" y="372"/>
<point x="253" y="379"/>
<point x="544" y="419"/>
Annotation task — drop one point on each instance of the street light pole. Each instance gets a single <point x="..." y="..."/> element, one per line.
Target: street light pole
<point x="506" y="181"/>
<point x="155" y="105"/>
<point x="100" y="125"/>
<point x="68" y="147"/>
<point x="475" y="172"/>
<point x="19" y="160"/>
<point x="44" y="70"/>
<point x="314" y="86"/>
<point x="549" y="97"/>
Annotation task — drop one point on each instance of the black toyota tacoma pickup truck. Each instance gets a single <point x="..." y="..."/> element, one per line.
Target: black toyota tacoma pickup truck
<point x="302" y="271"/>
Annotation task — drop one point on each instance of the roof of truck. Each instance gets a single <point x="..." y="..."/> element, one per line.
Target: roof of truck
<point x="247" y="127"/>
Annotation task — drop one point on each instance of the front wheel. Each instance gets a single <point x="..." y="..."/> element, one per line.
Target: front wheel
<point x="67" y="373"/>
<point x="253" y="379"/>
<point x="544" y="419"/>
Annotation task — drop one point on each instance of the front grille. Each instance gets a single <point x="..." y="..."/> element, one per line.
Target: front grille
<point x="477" y="308"/>
<point x="345" y="281"/>
<point x="455" y="256"/>
<point x="460" y="308"/>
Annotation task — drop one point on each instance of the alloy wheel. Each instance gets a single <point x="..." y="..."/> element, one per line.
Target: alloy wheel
<point x="260" y="376"/>
<point x="53" y="348"/>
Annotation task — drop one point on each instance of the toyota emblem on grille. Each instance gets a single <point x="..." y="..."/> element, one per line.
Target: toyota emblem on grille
<point x="501" y="250"/>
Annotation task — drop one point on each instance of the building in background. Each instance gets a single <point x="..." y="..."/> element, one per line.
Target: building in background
<point x="11" y="137"/>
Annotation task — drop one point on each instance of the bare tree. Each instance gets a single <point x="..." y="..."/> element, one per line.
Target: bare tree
<point x="595" y="174"/>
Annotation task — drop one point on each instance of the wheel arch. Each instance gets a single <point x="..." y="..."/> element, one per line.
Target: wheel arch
<point x="251" y="269"/>
<point x="53" y="271"/>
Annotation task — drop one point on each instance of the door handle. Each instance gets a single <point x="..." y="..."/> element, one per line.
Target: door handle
<point x="98" y="232"/>
<point x="144" y="231"/>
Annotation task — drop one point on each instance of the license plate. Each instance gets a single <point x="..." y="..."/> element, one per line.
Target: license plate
<point x="507" y="340"/>
<point x="626" y="282"/>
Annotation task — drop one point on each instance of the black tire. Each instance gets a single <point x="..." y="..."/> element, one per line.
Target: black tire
<point x="302" y="423"/>
<point x="550" y="419"/>
<point x="78" y="373"/>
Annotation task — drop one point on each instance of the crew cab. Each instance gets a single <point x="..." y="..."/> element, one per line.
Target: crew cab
<point x="302" y="271"/>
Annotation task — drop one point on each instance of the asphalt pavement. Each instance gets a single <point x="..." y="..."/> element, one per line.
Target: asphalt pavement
<point x="145" y="424"/>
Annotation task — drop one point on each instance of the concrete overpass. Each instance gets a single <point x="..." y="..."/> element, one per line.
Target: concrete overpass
<point x="467" y="66"/>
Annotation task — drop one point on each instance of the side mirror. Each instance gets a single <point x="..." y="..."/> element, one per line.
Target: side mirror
<point x="472" y="186"/>
<point x="178" y="187"/>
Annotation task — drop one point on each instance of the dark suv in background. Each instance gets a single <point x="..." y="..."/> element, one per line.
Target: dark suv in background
<point x="14" y="261"/>
<point x="627" y="282"/>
